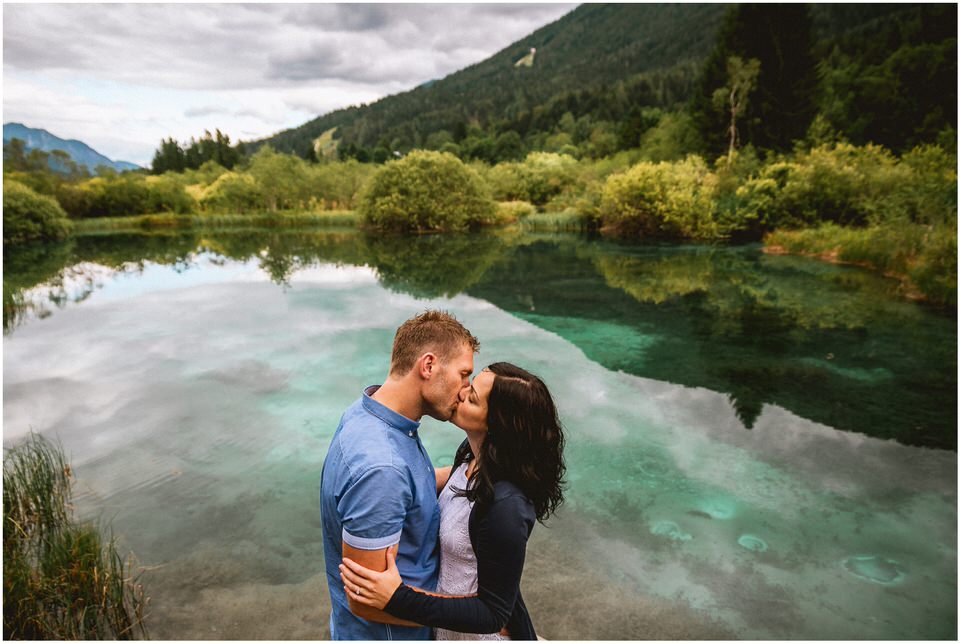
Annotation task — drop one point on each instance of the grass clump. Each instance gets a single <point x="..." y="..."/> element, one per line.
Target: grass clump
<point x="61" y="580"/>
<point x="567" y="221"/>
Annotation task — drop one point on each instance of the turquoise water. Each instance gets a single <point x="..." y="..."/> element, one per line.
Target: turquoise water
<point x="759" y="447"/>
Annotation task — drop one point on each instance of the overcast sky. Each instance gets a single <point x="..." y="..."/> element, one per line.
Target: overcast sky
<point x="120" y="77"/>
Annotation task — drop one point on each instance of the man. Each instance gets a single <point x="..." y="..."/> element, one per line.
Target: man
<point x="378" y="488"/>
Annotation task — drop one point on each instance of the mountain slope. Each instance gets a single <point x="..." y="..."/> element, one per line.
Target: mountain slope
<point x="604" y="64"/>
<point x="79" y="151"/>
<point x="592" y="46"/>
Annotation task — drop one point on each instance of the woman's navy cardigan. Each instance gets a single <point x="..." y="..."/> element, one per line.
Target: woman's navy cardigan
<point x="498" y="532"/>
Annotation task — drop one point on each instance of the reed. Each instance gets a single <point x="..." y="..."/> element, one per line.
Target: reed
<point x="329" y="218"/>
<point x="922" y="257"/>
<point x="565" y="221"/>
<point x="61" y="579"/>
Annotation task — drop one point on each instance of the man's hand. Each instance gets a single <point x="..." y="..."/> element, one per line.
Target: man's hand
<point x="377" y="561"/>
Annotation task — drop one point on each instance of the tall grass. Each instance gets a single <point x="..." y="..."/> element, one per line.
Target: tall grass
<point x="566" y="221"/>
<point x="61" y="579"/>
<point x="331" y="218"/>
<point x="923" y="257"/>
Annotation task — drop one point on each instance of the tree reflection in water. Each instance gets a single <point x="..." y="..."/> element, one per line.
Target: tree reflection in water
<point x="832" y="344"/>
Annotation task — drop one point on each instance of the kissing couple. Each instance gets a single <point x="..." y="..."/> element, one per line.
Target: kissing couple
<point x="415" y="552"/>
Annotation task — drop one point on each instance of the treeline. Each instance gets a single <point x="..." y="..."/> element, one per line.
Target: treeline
<point x="39" y="203"/>
<point x="172" y="156"/>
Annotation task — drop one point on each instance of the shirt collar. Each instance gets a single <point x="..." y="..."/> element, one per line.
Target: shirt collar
<point x="388" y="415"/>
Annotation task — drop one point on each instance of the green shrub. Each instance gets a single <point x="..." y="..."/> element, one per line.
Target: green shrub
<point x="232" y="193"/>
<point x="850" y="185"/>
<point x="426" y="191"/>
<point x="663" y="200"/>
<point x="118" y="196"/>
<point x="935" y="270"/>
<point x="538" y="178"/>
<point x="28" y="215"/>
<point x="167" y="194"/>
<point x="510" y="211"/>
<point x="334" y="186"/>
<point x="281" y="179"/>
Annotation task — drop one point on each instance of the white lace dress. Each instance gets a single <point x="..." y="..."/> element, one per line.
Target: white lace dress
<point x="458" y="564"/>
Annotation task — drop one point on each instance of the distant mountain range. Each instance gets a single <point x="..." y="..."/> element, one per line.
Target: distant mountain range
<point x="80" y="152"/>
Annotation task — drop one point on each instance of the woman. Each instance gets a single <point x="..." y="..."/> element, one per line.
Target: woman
<point x="506" y="475"/>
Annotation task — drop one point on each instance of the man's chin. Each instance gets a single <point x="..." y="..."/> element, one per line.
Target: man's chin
<point x="444" y="416"/>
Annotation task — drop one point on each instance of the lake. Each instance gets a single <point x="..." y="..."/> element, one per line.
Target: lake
<point x="758" y="446"/>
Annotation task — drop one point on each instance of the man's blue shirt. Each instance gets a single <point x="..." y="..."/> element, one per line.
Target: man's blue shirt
<point x="377" y="489"/>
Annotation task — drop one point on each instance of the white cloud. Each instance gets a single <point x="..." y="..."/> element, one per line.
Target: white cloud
<point x="122" y="76"/>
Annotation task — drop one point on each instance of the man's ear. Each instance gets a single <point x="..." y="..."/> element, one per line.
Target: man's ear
<point x="427" y="364"/>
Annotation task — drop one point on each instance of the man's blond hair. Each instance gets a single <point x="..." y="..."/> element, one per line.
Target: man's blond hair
<point x="434" y="331"/>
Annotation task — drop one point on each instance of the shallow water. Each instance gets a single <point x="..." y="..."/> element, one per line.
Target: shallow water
<point x="759" y="447"/>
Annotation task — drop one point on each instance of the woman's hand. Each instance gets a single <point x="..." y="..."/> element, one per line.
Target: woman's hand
<point x="376" y="588"/>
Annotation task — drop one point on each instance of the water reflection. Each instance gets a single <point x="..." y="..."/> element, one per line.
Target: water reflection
<point x="833" y="344"/>
<point x="197" y="391"/>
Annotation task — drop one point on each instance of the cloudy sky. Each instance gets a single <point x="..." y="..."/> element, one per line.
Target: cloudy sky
<point x="120" y="77"/>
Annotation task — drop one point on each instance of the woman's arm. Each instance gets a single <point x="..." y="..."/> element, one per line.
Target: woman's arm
<point x="501" y="548"/>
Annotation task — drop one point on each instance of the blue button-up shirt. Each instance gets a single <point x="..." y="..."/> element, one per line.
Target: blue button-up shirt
<point x="377" y="489"/>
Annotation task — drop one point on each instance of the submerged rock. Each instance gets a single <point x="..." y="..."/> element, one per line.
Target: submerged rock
<point x="753" y="543"/>
<point x="875" y="569"/>
<point x="669" y="529"/>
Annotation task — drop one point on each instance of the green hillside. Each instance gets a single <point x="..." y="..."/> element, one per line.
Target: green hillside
<point x="593" y="46"/>
<point x="604" y="74"/>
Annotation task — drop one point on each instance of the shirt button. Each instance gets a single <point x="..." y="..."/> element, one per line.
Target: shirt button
<point x="410" y="434"/>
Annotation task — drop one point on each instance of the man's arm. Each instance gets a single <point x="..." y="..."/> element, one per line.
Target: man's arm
<point x="377" y="561"/>
<point x="443" y="474"/>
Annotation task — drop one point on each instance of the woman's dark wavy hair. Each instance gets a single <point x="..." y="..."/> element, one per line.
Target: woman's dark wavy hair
<point x="524" y="442"/>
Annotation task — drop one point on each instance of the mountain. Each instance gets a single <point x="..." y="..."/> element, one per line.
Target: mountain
<point x="602" y="71"/>
<point x="591" y="48"/>
<point x="80" y="152"/>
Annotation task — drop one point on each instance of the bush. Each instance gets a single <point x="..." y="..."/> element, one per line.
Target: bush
<point x="935" y="270"/>
<point x="167" y="194"/>
<point x="541" y="176"/>
<point x="426" y="191"/>
<point x="28" y="215"/>
<point x="232" y="193"/>
<point x="336" y="186"/>
<point x="281" y="179"/>
<point x="663" y="200"/>
<point x="510" y="211"/>
<point x="851" y="186"/>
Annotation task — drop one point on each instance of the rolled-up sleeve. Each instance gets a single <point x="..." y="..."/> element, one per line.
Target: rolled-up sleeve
<point x="373" y="508"/>
<point x="501" y="548"/>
